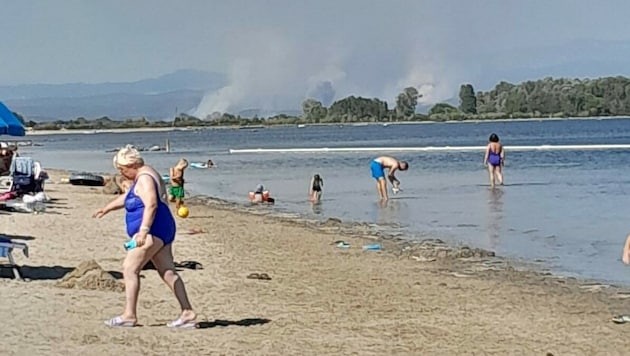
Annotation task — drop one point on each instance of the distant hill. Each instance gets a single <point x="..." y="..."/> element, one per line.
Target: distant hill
<point x="115" y="106"/>
<point x="155" y="98"/>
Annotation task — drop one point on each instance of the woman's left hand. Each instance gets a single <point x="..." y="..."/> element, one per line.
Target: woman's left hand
<point x="141" y="238"/>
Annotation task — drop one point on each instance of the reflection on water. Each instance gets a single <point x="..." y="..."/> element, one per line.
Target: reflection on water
<point x="392" y="211"/>
<point x="494" y="216"/>
<point x="317" y="208"/>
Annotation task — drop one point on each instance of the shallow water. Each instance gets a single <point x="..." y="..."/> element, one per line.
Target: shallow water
<point x="565" y="209"/>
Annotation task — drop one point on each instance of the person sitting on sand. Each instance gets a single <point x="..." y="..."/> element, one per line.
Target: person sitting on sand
<point x="315" y="188"/>
<point x="378" y="166"/>
<point x="151" y="225"/>
<point x="176" y="191"/>
<point x="494" y="158"/>
<point x="259" y="194"/>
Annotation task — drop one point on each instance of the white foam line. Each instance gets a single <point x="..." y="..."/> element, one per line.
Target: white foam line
<point x="427" y="149"/>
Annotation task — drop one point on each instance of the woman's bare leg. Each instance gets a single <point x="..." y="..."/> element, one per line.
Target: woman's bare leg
<point x="163" y="261"/>
<point x="499" y="171"/>
<point x="491" y="172"/>
<point x="134" y="261"/>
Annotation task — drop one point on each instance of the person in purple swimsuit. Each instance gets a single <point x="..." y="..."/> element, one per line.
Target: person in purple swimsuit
<point x="152" y="226"/>
<point x="494" y="159"/>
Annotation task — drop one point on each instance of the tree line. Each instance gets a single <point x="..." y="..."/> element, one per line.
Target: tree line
<point x="543" y="98"/>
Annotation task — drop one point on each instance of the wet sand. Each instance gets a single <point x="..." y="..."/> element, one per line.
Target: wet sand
<point x="409" y="299"/>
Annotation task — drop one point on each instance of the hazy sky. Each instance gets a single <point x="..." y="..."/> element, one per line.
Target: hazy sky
<point x="273" y="50"/>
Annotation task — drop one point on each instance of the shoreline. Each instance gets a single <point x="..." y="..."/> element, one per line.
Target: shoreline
<point x="321" y="299"/>
<point x="235" y="127"/>
<point x="400" y="240"/>
<point x="428" y="249"/>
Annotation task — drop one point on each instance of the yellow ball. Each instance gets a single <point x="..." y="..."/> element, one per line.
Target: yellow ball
<point x="182" y="212"/>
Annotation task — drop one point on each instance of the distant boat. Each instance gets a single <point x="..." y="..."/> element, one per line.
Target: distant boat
<point x="301" y="126"/>
<point x="252" y="127"/>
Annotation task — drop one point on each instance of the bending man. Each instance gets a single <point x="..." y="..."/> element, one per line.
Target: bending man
<point x="378" y="167"/>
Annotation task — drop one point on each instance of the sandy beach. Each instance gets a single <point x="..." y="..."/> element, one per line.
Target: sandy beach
<point x="423" y="299"/>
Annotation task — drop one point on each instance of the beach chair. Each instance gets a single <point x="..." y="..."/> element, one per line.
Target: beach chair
<point x="23" y="173"/>
<point x="26" y="176"/>
<point x="6" y="249"/>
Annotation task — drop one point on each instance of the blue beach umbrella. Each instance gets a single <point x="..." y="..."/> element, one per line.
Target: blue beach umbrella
<point x="9" y="124"/>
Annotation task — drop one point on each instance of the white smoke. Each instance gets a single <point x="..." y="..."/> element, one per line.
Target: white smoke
<point x="435" y="79"/>
<point x="272" y="73"/>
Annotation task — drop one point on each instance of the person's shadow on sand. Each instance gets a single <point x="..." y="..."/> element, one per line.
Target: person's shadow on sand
<point x="35" y="272"/>
<point x="242" y="322"/>
<point x="223" y="323"/>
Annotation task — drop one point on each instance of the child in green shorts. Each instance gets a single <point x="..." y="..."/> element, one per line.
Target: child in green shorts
<point x="176" y="191"/>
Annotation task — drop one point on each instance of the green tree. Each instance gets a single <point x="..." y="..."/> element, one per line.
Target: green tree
<point x="467" y="99"/>
<point x="406" y="103"/>
<point x="313" y="110"/>
<point x="353" y="109"/>
<point x="442" y="108"/>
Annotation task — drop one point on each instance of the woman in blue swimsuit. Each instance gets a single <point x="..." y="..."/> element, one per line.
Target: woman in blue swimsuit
<point x="151" y="224"/>
<point x="494" y="159"/>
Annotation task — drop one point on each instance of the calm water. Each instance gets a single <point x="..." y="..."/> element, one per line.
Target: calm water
<point x="568" y="209"/>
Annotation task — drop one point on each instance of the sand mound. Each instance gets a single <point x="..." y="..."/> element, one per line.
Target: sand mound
<point x="437" y="249"/>
<point x="90" y="275"/>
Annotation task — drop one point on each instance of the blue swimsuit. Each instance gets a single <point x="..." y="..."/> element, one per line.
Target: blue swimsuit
<point x="163" y="226"/>
<point x="378" y="171"/>
<point x="494" y="158"/>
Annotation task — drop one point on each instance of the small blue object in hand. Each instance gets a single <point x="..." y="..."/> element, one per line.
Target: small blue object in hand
<point x="129" y="245"/>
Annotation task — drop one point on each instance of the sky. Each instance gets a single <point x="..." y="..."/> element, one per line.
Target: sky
<point x="277" y="52"/>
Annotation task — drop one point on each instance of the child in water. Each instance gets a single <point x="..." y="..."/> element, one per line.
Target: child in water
<point x="494" y="159"/>
<point x="176" y="191"/>
<point x="315" y="188"/>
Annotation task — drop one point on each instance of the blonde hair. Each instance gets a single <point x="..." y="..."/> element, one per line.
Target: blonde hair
<point x="128" y="156"/>
<point x="183" y="163"/>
